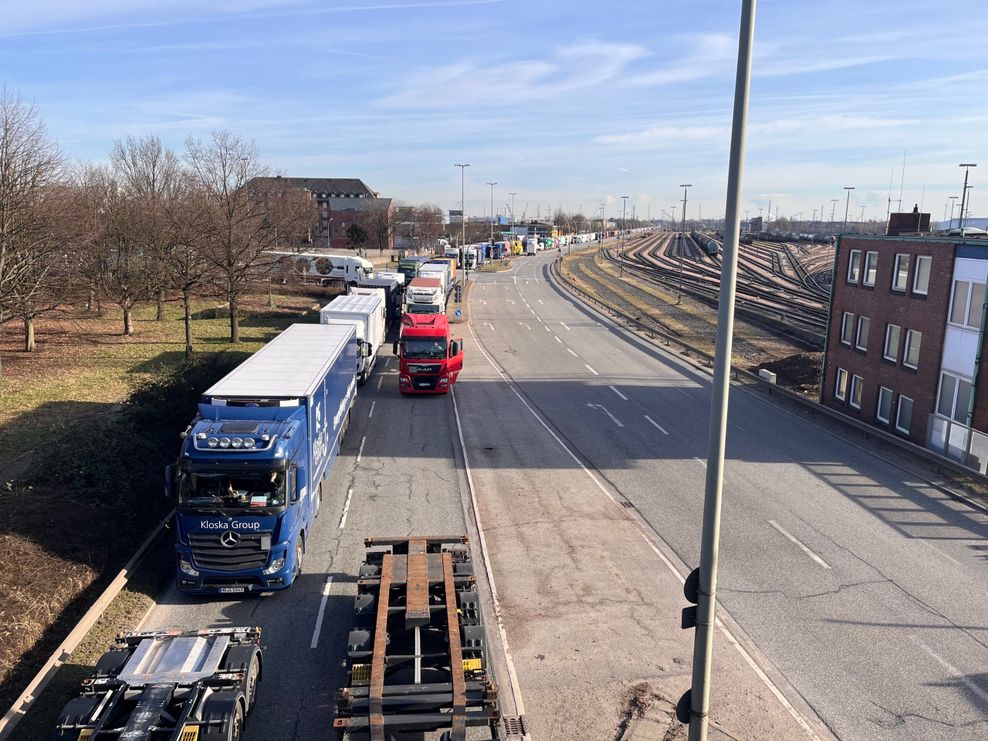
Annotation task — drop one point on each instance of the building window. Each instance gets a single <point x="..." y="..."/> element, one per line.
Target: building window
<point x="883" y="412"/>
<point x="921" y="280"/>
<point x="861" y="338"/>
<point x="891" y="352"/>
<point x="857" y="383"/>
<point x="900" y="272"/>
<point x="954" y="397"/>
<point x="967" y="303"/>
<point x="910" y="355"/>
<point x="840" y="388"/>
<point x="870" y="268"/>
<point x="854" y="266"/>
<point x="846" y="327"/>
<point x="904" y="415"/>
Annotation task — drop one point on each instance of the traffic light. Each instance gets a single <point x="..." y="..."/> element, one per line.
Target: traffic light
<point x="691" y="590"/>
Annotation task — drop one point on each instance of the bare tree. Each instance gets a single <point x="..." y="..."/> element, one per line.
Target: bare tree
<point x="249" y="215"/>
<point x="30" y="169"/>
<point x="187" y="266"/>
<point x="150" y="175"/>
<point x="379" y="224"/>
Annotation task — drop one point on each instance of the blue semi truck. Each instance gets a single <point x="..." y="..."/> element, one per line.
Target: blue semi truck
<point x="249" y="477"/>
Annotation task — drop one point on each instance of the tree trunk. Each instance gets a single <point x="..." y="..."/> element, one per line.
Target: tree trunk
<point x="128" y="322"/>
<point x="160" y="316"/>
<point x="29" y="343"/>
<point x="234" y="320"/>
<point x="99" y="305"/>
<point x="187" y="307"/>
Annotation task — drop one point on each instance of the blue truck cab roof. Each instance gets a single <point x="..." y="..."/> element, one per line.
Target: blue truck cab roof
<point x="242" y="435"/>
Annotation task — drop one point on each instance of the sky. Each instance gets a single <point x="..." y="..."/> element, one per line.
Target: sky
<point x="563" y="102"/>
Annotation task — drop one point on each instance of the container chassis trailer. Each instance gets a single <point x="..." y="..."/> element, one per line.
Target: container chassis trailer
<point x="417" y="657"/>
<point x="196" y="685"/>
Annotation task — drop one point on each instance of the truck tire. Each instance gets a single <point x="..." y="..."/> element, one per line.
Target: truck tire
<point x="225" y="711"/>
<point x="299" y="557"/>
<point x="248" y="660"/>
<point x="77" y="710"/>
<point x="250" y="685"/>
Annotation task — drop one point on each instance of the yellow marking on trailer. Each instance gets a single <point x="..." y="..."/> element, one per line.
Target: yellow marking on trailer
<point x="360" y="674"/>
<point x="472" y="665"/>
<point x="189" y="733"/>
<point x="84" y="734"/>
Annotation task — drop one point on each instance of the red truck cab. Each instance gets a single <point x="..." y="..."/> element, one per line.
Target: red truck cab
<point x="430" y="360"/>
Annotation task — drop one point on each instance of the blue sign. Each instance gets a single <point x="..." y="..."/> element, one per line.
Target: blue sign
<point x="458" y="312"/>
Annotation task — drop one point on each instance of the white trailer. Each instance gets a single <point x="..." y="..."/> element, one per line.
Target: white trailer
<point x="319" y="268"/>
<point x="366" y="313"/>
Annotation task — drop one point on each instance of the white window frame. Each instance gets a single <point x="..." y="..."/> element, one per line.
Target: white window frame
<point x="870" y="257"/>
<point x="907" y="344"/>
<point x="841" y="376"/>
<point x="898" y="415"/>
<point x="847" y="323"/>
<point x="966" y="323"/>
<point x="900" y="256"/>
<point x="857" y="334"/>
<point x="958" y="380"/>
<point x="882" y="390"/>
<point x="929" y="260"/>
<point x="854" y="263"/>
<point x="857" y="382"/>
<point x="894" y="357"/>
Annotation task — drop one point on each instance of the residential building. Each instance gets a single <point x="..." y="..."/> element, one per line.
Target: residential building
<point x="906" y="340"/>
<point x="340" y="203"/>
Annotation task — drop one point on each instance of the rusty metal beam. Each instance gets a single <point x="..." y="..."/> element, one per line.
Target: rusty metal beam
<point x="417" y="585"/>
<point x="459" y="725"/>
<point x="376" y="715"/>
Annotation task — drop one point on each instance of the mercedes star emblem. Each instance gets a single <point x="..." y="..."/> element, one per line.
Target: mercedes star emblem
<point x="229" y="539"/>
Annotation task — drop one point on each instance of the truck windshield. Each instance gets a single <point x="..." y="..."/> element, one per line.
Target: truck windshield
<point x="423" y="309"/>
<point x="423" y="349"/>
<point x="242" y="491"/>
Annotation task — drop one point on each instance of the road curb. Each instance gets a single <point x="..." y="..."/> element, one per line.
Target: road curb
<point x="18" y="710"/>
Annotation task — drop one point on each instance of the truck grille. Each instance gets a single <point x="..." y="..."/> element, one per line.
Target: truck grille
<point x="250" y="553"/>
<point x="424" y="382"/>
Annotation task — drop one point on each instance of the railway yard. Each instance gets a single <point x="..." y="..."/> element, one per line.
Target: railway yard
<point x="782" y="294"/>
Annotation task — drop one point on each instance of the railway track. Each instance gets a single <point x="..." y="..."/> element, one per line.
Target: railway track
<point x="774" y="285"/>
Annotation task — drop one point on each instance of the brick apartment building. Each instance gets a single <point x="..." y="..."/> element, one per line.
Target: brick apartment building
<point x="906" y="340"/>
<point x="340" y="203"/>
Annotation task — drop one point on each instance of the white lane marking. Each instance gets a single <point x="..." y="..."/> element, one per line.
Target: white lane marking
<point x="656" y="425"/>
<point x="958" y="674"/>
<point x="556" y="338"/>
<point x="541" y="302"/>
<point x="545" y="327"/>
<point x="525" y="325"/>
<point x="510" y="301"/>
<point x="498" y="616"/>
<point x="483" y="301"/>
<point x="360" y="452"/>
<point x="483" y="288"/>
<point x="934" y="548"/>
<point x="565" y="325"/>
<point x="533" y="311"/>
<point x="799" y="544"/>
<point x="371" y="412"/>
<point x="646" y="536"/>
<point x="701" y="462"/>
<point x="604" y="409"/>
<point x="380" y="380"/>
<point x="591" y="369"/>
<point x="572" y="353"/>
<point x="618" y="393"/>
<point x="491" y="326"/>
<point x="346" y="509"/>
<point x="322" y="612"/>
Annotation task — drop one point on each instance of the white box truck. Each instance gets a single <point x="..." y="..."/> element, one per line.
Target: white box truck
<point x="440" y="271"/>
<point x="366" y="314"/>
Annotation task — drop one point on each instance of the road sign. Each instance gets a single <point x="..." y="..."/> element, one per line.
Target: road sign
<point x="457" y="312"/>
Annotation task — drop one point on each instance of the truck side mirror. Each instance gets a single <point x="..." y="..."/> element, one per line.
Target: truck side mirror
<point x="366" y="350"/>
<point x="297" y="482"/>
<point x="455" y="348"/>
<point x="170" y="481"/>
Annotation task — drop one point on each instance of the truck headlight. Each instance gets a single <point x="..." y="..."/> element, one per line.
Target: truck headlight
<point x="276" y="565"/>
<point x="185" y="566"/>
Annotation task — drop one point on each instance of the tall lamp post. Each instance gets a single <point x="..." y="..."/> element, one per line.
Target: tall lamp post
<point x="463" y="207"/>
<point x="492" y="212"/>
<point x="847" y="205"/>
<point x="682" y="243"/>
<point x="512" y="214"/>
<point x="624" y="229"/>
<point x="833" y="208"/>
<point x="950" y="223"/>
<point x="967" y="166"/>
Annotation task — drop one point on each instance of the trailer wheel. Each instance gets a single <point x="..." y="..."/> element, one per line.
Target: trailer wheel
<point x="237" y="723"/>
<point x="253" y="675"/>
<point x="299" y="554"/>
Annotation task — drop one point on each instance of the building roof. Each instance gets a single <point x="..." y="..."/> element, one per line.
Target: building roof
<point x="328" y="187"/>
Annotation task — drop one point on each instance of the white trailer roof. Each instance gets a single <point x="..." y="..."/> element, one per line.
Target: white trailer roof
<point x="354" y="303"/>
<point x="291" y="365"/>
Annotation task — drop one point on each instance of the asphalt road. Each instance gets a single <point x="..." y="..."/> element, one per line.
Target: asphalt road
<point x="852" y="584"/>
<point x="862" y="585"/>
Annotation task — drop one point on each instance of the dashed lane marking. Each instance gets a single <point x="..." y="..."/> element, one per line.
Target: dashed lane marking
<point x="618" y="393"/>
<point x="799" y="544"/>
<point x="322" y="612"/>
<point x="656" y="425"/>
<point x="360" y="453"/>
<point x="570" y="351"/>
<point x="591" y="369"/>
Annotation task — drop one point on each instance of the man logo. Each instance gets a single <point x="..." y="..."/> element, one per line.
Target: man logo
<point x="229" y="539"/>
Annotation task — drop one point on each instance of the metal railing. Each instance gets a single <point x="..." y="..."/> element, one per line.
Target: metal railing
<point x="958" y="442"/>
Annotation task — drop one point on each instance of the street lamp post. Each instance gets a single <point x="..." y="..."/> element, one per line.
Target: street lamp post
<point x="624" y="229"/>
<point x="463" y="207"/>
<point x="833" y="208"/>
<point x="492" y="212"/>
<point x="682" y="243"/>
<point x="967" y="166"/>
<point x="847" y="205"/>
<point x="512" y="213"/>
<point x="950" y="223"/>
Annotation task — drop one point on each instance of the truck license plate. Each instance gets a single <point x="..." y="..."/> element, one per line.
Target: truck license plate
<point x="232" y="590"/>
